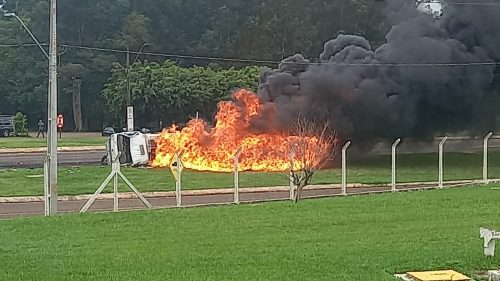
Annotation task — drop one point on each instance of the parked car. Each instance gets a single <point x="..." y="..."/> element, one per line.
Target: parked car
<point x="6" y="125"/>
<point x="109" y="131"/>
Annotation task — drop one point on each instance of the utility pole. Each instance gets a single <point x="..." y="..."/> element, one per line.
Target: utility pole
<point x="51" y="162"/>
<point x="130" y="108"/>
<point x="128" y="78"/>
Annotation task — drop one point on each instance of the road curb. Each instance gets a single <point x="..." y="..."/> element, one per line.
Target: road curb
<point x="44" y="149"/>
<point x="200" y="192"/>
<point x="222" y="191"/>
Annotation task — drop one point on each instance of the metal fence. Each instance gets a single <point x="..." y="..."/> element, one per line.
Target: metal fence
<point x="393" y="186"/>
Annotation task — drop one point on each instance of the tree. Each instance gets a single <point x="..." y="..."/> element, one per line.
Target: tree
<point x="20" y="125"/>
<point x="72" y="84"/>
<point x="172" y="93"/>
<point x="135" y="31"/>
<point x="313" y="146"/>
<point x="258" y="29"/>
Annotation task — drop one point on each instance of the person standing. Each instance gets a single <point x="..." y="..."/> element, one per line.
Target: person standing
<point x="41" y="128"/>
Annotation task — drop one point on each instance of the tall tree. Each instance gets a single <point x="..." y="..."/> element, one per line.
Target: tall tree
<point x="72" y="75"/>
<point x="172" y="93"/>
<point x="257" y="29"/>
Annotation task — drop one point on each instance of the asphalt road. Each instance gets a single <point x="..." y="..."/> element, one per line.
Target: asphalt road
<point x="12" y="210"/>
<point x="9" y="160"/>
<point x="35" y="159"/>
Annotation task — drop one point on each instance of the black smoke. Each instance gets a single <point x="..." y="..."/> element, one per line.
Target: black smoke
<point x="431" y="76"/>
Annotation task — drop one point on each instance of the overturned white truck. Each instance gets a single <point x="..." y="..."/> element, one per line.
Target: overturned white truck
<point x="130" y="148"/>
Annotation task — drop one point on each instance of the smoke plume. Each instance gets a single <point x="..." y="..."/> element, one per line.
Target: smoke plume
<point x="431" y="76"/>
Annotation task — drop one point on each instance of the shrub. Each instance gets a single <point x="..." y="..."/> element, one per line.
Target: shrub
<point x="20" y="125"/>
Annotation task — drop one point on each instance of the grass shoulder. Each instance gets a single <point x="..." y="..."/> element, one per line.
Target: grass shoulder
<point x="65" y="141"/>
<point x="353" y="238"/>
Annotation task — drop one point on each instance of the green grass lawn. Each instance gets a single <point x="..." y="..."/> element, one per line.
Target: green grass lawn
<point x="32" y="142"/>
<point x="369" y="170"/>
<point x="352" y="238"/>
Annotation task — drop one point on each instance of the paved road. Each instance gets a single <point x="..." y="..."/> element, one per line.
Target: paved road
<point x="34" y="160"/>
<point x="91" y="157"/>
<point x="11" y="210"/>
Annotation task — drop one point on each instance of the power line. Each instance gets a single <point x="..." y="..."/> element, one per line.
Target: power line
<point x="207" y="58"/>
<point x="240" y="60"/>
<point x="493" y="63"/>
<point x="462" y="3"/>
<point x="177" y="56"/>
<point x="459" y="3"/>
<point x="21" y="45"/>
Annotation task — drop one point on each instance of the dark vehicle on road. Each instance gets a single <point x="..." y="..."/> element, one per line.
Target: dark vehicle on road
<point x="108" y="131"/>
<point x="6" y="125"/>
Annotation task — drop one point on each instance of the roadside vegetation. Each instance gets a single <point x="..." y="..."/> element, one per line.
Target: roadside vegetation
<point x="352" y="238"/>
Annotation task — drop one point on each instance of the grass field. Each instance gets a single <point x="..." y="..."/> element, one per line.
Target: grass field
<point x="365" y="238"/>
<point x="66" y="141"/>
<point x="369" y="170"/>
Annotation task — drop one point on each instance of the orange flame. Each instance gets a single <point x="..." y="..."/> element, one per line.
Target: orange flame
<point x="214" y="149"/>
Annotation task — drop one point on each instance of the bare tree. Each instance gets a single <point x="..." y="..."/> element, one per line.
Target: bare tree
<point x="313" y="146"/>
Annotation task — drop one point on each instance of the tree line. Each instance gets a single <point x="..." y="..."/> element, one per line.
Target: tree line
<point x="92" y="81"/>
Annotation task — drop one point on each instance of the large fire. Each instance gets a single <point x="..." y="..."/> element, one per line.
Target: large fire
<point x="213" y="149"/>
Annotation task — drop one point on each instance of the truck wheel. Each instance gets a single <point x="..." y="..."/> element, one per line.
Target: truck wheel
<point x="104" y="160"/>
<point x="5" y="133"/>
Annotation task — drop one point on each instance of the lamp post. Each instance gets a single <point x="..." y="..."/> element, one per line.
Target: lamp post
<point x="50" y="164"/>
<point x="51" y="169"/>
<point x="130" y="109"/>
<point x="13" y="15"/>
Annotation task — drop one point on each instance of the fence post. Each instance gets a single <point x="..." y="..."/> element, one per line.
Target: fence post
<point x="46" y="189"/>
<point x="441" y="161"/>
<point x="115" y="192"/>
<point x="178" y="182"/>
<point x="393" y="166"/>
<point x="344" y="167"/>
<point x="236" y="177"/>
<point x="292" y="184"/>
<point x="485" y="157"/>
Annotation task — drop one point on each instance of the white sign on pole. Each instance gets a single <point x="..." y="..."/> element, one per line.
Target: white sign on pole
<point x="130" y="118"/>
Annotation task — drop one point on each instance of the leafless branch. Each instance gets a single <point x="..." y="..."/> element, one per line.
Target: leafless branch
<point x="313" y="147"/>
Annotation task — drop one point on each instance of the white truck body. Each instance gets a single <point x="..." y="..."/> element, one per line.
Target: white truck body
<point x="129" y="148"/>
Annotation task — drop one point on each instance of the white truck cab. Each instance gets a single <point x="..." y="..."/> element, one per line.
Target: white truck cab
<point x="128" y="148"/>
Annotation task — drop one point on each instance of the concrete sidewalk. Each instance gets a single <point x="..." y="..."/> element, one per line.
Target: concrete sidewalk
<point x="203" y="198"/>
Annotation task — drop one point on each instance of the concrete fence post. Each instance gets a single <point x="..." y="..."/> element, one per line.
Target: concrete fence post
<point x="344" y="167"/>
<point x="393" y="166"/>
<point x="485" y="157"/>
<point x="236" y="176"/>
<point x="178" y="178"/>
<point x="46" y="189"/>
<point x="441" y="162"/>
<point x="291" y="182"/>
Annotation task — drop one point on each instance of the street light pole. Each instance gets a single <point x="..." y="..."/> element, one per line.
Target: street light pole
<point x="128" y="77"/>
<point x="51" y="170"/>
<point x="130" y="108"/>
<point x="50" y="163"/>
<point x="129" y="102"/>
<point x="29" y="32"/>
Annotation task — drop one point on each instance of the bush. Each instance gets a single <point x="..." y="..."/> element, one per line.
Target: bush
<point x="20" y="125"/>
